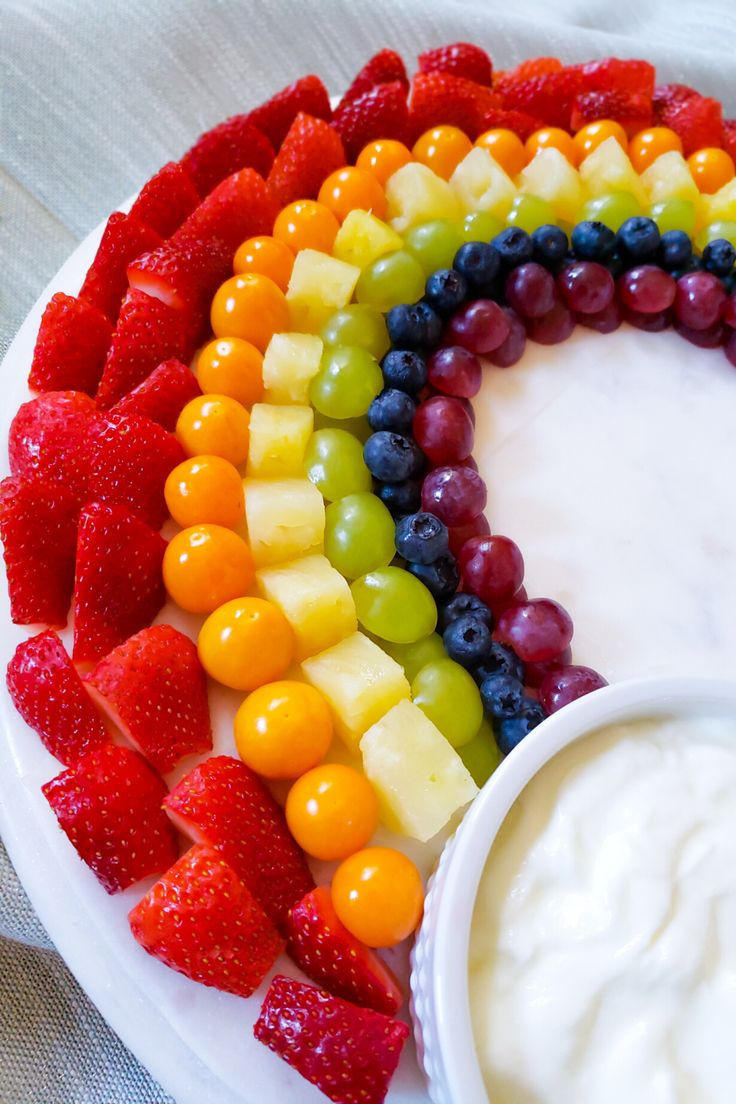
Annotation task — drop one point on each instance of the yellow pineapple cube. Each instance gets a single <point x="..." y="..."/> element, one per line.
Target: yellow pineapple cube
<point x="415" y="194"/>
<point x="360" y="682"/>
<point x="550" y="176"/>
<point x="363" y="238"/>
<point x="314" y="599"/>
<point x="480" y="184"/>
<point x="278" y="440"/>
<point x="290" y="362"/>
<point x="319" y="285"/>
<point x="721" y="206"/>
<point x="420" y="780"/>
<point x="285" y="519"/>
<point x="669" y="177"/>
<point x="608" y="169"/>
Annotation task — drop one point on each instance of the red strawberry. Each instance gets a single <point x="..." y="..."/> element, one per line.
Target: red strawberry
<point x="462" y="59"/>
<point x="307" y="95"/>
<point x="185" y="276"/>
<point x="129" y="460"/>
<point x="71" y="346"/>
<point x="310" y="152"/>
<point x="200" y="920"/>
<point x="442" y="98"/>
<point x="162" y="396"/>
<point x="667" y="94"/>
<point x="154" y="688"/>
<point x="147" y="333"/>
<point x="381" y="112"/>
<point x="385" y="67"/>
<point x="698" y="121"/>
<point x="729" y="137"/>
<point x="548" y="97"/>
<point x="631" y="109"/>
<point x="532" y="67"/>
<point x="49" y="695"/>
<point x="327" y="953"/>
<point x="38" y="528"/>
<point x="166" y="200"/>
<point x="109" y="805"/>
<point x="223" y="804"/>
<point x="232" y="145"/>
<point x="615" y="75"/>
<point x="349" y="1053"/>
<point x="118" y="588"/>
<point x="239" y="208"/>
<point x="521" y="123"/>
<point x="48" y="438"/>
<point x="106" y="282"/>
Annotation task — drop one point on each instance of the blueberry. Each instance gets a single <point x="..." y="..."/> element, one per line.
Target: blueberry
<point x="719" y="257"/>
<point x="421" y="538"/>
<point x="413" y="326"/>
<point x="467" y="639"/>
<point x="478" y="262"/>
<point x="693" y="265"/>
<point x="616" y="265"/>
<point x="392" y="457"/>
<point x="461" y="604"/>
<point x="638" y="239"/>
<point x="512" y="730"/>
<point x="501" y="660"/>
<point x="514" y="245"/>
<point x="550" y="245"/>
<point x="502" y="696"/>
<point x="446" y="290"/>
<point x="393" y="410"/>
<point x="593" y="241"/>
<point x="675" y="249"/>
<point x="404" y="370"/>
<point x="729" y="283"/>
<point x="401" y="498"/>
<point x="441" y="578"/>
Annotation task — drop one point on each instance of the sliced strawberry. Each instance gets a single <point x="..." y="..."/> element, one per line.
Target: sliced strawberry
<point x="71" y="346"/>
<point x="109" y="805"/>
<point x="106" y="282"/>
<point x="349" y="1053"/>
<point x="38" y="528"/>
<point x="381" y="112"/>
<point x="729" y="137"/>
<point x="443" y="98"/>
<point x="532" y="67"/>
<point x="517" y="121"/>
<point x="49" y="695"/>
<point x="239" y="208"/>
<point x="631" y="109"/>
<point x="549" y="97"/>
<point x="185" y="275"/>
<point x="616" y="75"/>
<point x="310" y="152"/>
<point x="49" y="438"/>
<point x="166" y="200"/>
<point x="223" y="804"/>
<point x="385" y="67"/>
<point x="326" y="952"/>
<point x="118" y="588"/>
<point x="200" y="920"/>
<point x="665" y="95"/>
<point x="147" y="333"/>
<point x="462" y="59"/>
<point x="274" y="117"/>
<point x="698" y="120"/>
<point x="234" y="144"/>
<point x="163" y="395"/>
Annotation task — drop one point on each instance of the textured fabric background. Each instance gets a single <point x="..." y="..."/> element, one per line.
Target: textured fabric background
<point x="94" y="96"/>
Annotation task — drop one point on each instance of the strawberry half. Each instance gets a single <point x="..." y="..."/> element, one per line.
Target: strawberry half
<point x="633" y="76"/>
<point x="118" y="588"/>
<point x="349" y="1053"/>
<point x="385" y="67"/>
<point x="109" y="805"/>
<point x="185" y="276"/>
<point x="50" y="697"/>
<point x="729" y="137"/>
<point x="309" y="153"/>
<point x="223" y="804"/>
<point x="462" y="59"/>
<point x="71" y="346"/>
<point x="632" y="110"/>
<point x="162" y="396"/>
<point x="274" y="117"/>
<point x="49" y="437"/>
<point x="549" y="97"/>
<point x="240" y="207"/>
<point x="698" y="120"/>
<point x="154" y="688"/>
<point x="38" y="528"/>
<point x="665" y="95"/>
<point x="326" y="952"/>
<point x="522" y="124"/>
<point x="531" y="67"/>
<point x="234" y="144"/>
<point x="443" y="98"/>
<point x="106" y="282"/>
<point x="166" y="200"/>
<point x="381" y="112"/>
<point x="200" y="920"/>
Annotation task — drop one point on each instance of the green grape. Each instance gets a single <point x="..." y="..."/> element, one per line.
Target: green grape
<point x="392" y="604"/>
<point x="334" y="463"/>
<point x="347" y="382"/>
<point x="434" y="244"/>
<point x="724" y="228"/>
<point x="416" y="655"/>
<point x="481" y="226"/>
<point x="359" y="535"/>
<point x="357" y="427"/>
<point x="447" y="694"/>
<point x="481" y="756"/>
<point x="396" y="278"/>
<point x="529" y="212"/>
<point x="611" y="209"/>
<point x="358" y="325"/>
<point x="674" y="214"/>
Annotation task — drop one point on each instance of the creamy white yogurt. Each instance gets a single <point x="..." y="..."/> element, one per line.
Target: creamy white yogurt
<point x="603" y="947"/>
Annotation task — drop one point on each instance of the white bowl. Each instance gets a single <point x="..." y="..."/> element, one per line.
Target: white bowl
<point x="439" y="981"/>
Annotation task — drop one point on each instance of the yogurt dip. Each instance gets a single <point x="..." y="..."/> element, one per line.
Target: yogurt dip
<point x="602" y="963"/>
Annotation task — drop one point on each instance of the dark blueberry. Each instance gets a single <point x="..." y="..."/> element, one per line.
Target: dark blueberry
<point x="501" y="660"/>
<point x="502" y="696"/>
<point x="550" y="246"/>
<point x="460" y="605"/>
<point x="421" y="538"/>
<point x="512" y="730"/>
<point x="729" y="283"/>
<point x="638" y="239"/>
<point x="593" y="241"/>
<point x="514" y="245"/>
<point x="675" y="249"/>
<point x="404" y="370"/>
<point x="719" y="257"/>
<point x="479" y="263"/>
<point x="392" y="410"/>
<point x="446" y="290"/>
<point x="616" y="265"/>
<point x="401" y="498"/>
<point x="467" y="639"/>
<point x="693" y="265"/>
<point x="414" y="326"/>
<point x="392" y="457"/>
<point x="441" y="578"/>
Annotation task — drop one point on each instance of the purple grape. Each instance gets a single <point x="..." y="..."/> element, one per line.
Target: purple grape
<point x="455" y="371"/>
<point x="647" y="289"/>
<point x="512" y="349"/>
<point x="566" y="685"/>
<point x="700" y="300"/>
<point x="455" y="495"/>
<point x="730" y="349"/>
<point x="480" y="326"/>
<point x="650" y="323"/>
<point x="530" y="290"/>
<point x="729" y="311"/>
<point x="553" y="327"/>
<point x="586" y="286"/>
<point x="709" y="338"/>
<point x="605" y="321"/>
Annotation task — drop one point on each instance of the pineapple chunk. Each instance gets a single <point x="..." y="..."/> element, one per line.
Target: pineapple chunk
<point x="363" y="238"/>
<point x="669" y="177"/>
<point x="608" y="169"/>
<point x="314" y="599"/>
<point x="415" y="194"/>
<point x="290" y="362"/>
<point x="285" y="519"/>
<point x="278" y="440"/>
<point x="419" y="778"/>
<point x="480" y="184"/>
<point x="721" y="206"/>
<point x="319" y="286"/>
<point x="360" y="682"/>
<point x="550" y="176"/>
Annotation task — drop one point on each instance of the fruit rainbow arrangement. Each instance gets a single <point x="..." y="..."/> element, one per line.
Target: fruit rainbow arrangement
<point x="333" y="277"/>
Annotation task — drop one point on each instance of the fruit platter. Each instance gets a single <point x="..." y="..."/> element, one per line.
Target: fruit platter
<point x="265" y="640"/>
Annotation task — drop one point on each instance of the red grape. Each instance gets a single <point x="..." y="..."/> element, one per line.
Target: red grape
<point x="455" y="371"/>
<point x="491" y="567"/>
<point x="512" y="349"/>
<point x="536" y="673"/>
<point x="530" y="290"/>
<point x="647" y="289"/>
<point x="729" y="311"/>
<point x="537" y="630"/>
<point x="480" y="326"/>
<point x="586" y="286"/>
<point x="700" y="300"/>
<point x="730" y="349"/>
<point x="605" y="321"/>
<point x="455" y="495"/>
<point x="566" y="684"/>
<point x="443" y="430"/>
<point x="650" y="323"/>
<point x="555" y="326"/>
<point x="709" y="338"/>
<point x="478" y="527"/>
